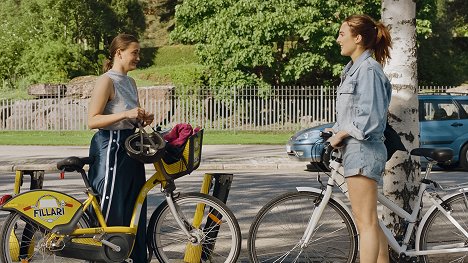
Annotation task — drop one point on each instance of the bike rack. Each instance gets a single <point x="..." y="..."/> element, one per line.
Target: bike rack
<point x="221" y="186"/>
<point x="37" y="179"/>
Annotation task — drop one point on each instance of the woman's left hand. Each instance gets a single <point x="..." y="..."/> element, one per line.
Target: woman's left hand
<point x="337" y="139"/>
<point x="147" y="118"/>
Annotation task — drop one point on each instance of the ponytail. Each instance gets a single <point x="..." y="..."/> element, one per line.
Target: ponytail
<point x="108" y="63"/>
<point x="375" y="35"/>
<point x="383" y="43"/>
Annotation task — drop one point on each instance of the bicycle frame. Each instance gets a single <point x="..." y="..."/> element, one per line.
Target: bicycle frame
<point x="155" y="179"/>
<point x="66" y="218"/>
<point x="338" y="179"/>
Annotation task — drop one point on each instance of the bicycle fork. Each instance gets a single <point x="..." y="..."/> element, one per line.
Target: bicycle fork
<point x="316" y="215"/>
<point x="179" y="218"/>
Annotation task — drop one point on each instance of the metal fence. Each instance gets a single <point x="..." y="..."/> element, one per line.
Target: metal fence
<point x="232" y="109"/>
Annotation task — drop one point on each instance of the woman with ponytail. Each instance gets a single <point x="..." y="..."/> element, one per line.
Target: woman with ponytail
<point x="114" y="109"/>
<point x="362" y="104"/>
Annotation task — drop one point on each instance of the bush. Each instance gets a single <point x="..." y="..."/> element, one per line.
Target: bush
<point x="53" y="61"/>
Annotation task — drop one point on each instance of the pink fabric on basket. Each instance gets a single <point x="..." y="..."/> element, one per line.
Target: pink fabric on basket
<point x="180" y="134"/>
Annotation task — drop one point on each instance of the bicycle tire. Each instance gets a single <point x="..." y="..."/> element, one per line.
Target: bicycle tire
<point x="438" y="231"/>
<point x="28" y="241"/>
<point x="169" y="243"/>
<point x="278" y="227"/>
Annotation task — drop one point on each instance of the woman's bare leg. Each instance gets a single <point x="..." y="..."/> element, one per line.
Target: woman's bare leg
<point x="363" y="196"/>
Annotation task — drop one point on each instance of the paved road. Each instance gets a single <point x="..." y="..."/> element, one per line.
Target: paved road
<point x="214" y="157"/>
<point x="261" y="172"/>
<point x="250" y="189"/>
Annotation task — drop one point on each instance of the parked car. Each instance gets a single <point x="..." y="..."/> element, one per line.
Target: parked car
<point x="443" y="122"/>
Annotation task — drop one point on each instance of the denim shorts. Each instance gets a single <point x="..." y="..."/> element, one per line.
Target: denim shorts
<point x="365" y="158"/>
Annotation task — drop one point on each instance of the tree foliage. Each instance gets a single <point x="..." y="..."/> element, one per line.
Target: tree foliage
<point x="277" y="42"/>
<point x="263" y="43"/>
<point x="443" y="56"/>
<point x="55" y="40"/>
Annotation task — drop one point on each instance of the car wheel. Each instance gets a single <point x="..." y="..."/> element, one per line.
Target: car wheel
<point x="463" y="157"/>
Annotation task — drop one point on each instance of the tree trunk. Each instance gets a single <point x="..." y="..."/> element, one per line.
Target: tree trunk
<point x="402" y="175"/>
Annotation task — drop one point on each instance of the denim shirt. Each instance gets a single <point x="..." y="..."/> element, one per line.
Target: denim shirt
<point x="363" y="98"/>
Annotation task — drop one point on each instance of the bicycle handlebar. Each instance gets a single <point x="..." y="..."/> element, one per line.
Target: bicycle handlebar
<point x="326" y="135"/>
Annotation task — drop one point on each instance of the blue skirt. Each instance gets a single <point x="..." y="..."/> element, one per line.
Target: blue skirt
<point x="118" y="180"/>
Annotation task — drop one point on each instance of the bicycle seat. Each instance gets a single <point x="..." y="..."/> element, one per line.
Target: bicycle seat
<point x="73" y="163"/>
<point x="437" y="154"/>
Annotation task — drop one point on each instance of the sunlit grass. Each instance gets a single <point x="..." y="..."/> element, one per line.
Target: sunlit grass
<point x="84" y="137"/>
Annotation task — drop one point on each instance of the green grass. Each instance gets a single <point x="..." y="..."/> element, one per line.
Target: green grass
<point x="175" y="55"/>
<point x="82" y="138"/>
<point x="183" y="74"/>
<point x="171" y="65"/>
<point x="45" y="137"/>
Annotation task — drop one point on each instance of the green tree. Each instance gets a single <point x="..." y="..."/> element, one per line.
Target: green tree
<point x="130" y="16"/>
<point x="55" y="40"/>
<point x="263" y="43"/>
<point x="442" y="52"/>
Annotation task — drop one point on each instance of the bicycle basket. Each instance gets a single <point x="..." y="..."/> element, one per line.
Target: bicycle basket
<point x="189" y="159"/>
<point x="145" y="147"/>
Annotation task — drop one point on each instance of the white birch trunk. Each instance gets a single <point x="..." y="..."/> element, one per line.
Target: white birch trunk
<point x="402" y="175"/>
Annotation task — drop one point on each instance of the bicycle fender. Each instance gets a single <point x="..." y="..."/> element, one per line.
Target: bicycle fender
<point x="318" y="191"/>
<point x="47" y="208"/>
<point x="429" y="211"/>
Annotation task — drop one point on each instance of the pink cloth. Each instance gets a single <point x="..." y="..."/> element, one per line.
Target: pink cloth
<point x="180" y="134"/>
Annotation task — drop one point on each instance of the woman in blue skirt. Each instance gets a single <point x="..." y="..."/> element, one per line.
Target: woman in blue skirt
<point x="114" y="109"/>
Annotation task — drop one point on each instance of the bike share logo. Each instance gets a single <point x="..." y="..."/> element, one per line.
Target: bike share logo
<point x="48" y="208"/>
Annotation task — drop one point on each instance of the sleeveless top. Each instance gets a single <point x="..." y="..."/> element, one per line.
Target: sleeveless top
<point x="125" y="98"/>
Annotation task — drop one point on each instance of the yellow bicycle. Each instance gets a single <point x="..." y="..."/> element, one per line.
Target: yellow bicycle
<point x="51" y="226"/>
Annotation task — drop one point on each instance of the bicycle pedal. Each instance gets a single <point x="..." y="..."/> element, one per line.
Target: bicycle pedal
<point x="129" y="260"/>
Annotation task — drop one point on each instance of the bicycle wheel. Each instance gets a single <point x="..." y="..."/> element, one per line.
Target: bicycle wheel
<point x="217" y="232"/>
<point x="439" y="233"/>
<point x="23" y="240"/>
<point x="277" y="230"/>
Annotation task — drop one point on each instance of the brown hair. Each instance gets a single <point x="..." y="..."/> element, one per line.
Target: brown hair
<point x="121" y="41"/>
<point x="375" y="35"/>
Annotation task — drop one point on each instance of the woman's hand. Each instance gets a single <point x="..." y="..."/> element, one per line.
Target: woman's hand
<point x="337" y="139"/>
<point x="141" y="115"/>
<point x="136" y="113"/>
<point x="148" y="118"/>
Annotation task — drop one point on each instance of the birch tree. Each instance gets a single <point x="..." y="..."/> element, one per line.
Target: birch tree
<point x="402" y="177"/>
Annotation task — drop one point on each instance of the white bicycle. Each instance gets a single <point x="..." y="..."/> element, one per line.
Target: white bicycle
<point x="315" y="225"/>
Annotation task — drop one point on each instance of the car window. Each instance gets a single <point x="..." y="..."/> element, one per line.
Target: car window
<point x="464" y="110"/>
<point x="430" y="110"/>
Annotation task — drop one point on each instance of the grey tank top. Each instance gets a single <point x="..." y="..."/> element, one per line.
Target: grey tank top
<point x="125" y="98"/>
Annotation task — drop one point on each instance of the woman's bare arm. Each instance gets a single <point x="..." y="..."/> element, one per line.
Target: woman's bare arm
<point x="101" y="95"/>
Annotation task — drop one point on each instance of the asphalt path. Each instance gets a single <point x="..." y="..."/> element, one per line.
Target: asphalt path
<point x="214" y="157"/>
<point x="250" y="189"/>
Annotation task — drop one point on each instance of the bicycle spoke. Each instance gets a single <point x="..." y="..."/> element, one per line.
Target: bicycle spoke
<point x="277" y="231"/>
<point x="218" y="238"/>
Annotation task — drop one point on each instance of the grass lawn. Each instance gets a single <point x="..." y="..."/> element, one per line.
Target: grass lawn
<point x="84" y="137"/>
